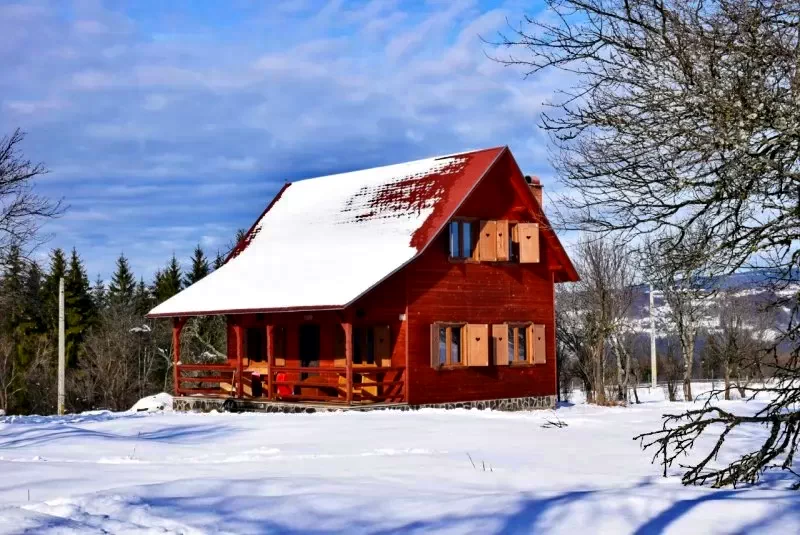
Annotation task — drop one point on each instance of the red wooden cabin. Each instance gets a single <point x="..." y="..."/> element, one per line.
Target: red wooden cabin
<point x="427" y="282"/>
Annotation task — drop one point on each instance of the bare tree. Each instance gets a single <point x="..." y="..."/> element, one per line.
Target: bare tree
<point x="678" y="272"/>
<point x="680" y="110"/>
<point x="9" y="374"/>
<point x="22" y="210"/>
<point x="594" y="309"/>
<point x="740" y="341"/>
<point x="685" y="111"/>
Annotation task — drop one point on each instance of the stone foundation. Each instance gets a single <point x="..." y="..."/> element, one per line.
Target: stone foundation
<point x="206" y="404"/>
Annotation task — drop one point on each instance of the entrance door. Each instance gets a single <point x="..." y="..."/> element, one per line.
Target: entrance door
<point x="309" y="344"/>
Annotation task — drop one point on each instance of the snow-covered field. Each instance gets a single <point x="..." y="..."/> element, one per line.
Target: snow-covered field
<point x="378" y="472"/>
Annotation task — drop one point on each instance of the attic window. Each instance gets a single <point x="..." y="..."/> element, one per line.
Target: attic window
<point x="461" y="239"/>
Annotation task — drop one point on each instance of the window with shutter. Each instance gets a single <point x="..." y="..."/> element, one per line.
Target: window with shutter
<point x="519" y="343"/>
<point x="447" y="344"/>
<point x="461" y="239"/>
<point x="528" y="238"/>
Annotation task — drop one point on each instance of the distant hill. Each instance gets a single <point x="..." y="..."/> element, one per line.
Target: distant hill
<point x="753" y="290"/>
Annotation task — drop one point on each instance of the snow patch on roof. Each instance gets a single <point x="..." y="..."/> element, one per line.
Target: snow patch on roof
<point x="326" y="240"/>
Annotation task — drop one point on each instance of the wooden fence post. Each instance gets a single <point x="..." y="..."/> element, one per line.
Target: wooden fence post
<point x="270" y="358"/>
<point x="239" y="359"/>
<point x="177" y="327"/>
<point x="348" y="353"/>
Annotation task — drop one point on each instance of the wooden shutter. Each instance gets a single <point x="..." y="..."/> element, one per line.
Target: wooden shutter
<point x="528" y="234"/>
<point x="487" y="241"/>
<point x="502" y="240"/>
<point x="500" y="344"/>
<point x="539" y="347"/>
<point x="477" y="344"/>
<point x="383" y="345"/>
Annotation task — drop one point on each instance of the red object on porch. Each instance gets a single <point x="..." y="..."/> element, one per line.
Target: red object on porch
<point x="283" y="390"/>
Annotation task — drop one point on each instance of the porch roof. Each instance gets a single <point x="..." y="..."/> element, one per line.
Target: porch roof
<point x="324" y="242"/>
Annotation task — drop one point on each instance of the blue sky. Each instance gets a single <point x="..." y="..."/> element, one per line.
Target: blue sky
<point x="167" y="124"/>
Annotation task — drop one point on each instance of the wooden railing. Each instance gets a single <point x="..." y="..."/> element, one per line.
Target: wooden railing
<point x="288" y="383"/>
<point x="208" y="379"/>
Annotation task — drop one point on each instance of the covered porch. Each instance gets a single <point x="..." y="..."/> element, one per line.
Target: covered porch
<point x="328" y="357"/>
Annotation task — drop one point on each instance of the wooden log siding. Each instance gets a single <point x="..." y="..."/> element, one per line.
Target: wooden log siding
<point x="434" y="289"/>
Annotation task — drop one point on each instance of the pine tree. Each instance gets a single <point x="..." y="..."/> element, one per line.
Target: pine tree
<point x="219" y="260"/>
<point x="34" y="312"/>
<point x="142" y="298"/>
<point x="168" y="281"/>
<point x="99" y="296"/>
<point x="123" y="283"/>
<point x="200" y="267"/>
<point x="11" y="290"/>
<point x="58" y="269"/>
<point x="80" y="309"/>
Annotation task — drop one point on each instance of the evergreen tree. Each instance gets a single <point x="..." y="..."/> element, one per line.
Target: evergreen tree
<point x="34" y="312"/>
<point x="11" y="291"/>
<point x="200" y="267"/>
<point x="218" y="261"/>
<point x="168" y="281"/>
<point x="123" y="284"/>
<point x="99" y="296"/>
<point x="142" y="298"/>
<point x="58" y="269"/>
<point x="80" y="311"/>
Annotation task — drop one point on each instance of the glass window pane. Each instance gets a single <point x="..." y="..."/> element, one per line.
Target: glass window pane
<point x="466" y="241"/>
<point x="455" y="250"/>
<point x="442" y="346"/>
<point x="455" y="345"/>
<point x="521" y="343"/>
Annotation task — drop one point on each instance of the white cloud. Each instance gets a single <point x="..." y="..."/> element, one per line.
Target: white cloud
<point x="161" y="130"/>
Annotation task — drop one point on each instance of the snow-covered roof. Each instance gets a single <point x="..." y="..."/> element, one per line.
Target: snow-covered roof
<point x="324" y="242"/>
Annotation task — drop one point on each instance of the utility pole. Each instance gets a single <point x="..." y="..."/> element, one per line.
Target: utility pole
<point x="653" y="364"/>
<point x="62" y="364"/>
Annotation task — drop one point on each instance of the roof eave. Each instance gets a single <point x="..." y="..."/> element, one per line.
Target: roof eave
<point x="232" y="312"/>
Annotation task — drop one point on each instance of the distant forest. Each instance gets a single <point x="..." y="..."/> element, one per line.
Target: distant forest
<point x="114" y="354"/>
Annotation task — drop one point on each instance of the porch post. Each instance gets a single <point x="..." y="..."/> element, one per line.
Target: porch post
<point x="348" y="353"/>
<point x="270" y="358"/>
<point x="177" y="327"/>
<point x="239" y="356"/>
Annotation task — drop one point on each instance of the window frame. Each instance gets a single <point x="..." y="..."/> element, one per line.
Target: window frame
<point x="515" y="326"/>
<point x="472" y="238"/>
<point x="513" y="243"/>
<point x="435" y="341"/>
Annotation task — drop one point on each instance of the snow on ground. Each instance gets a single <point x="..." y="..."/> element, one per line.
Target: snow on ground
<point x="376" y="472"/>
